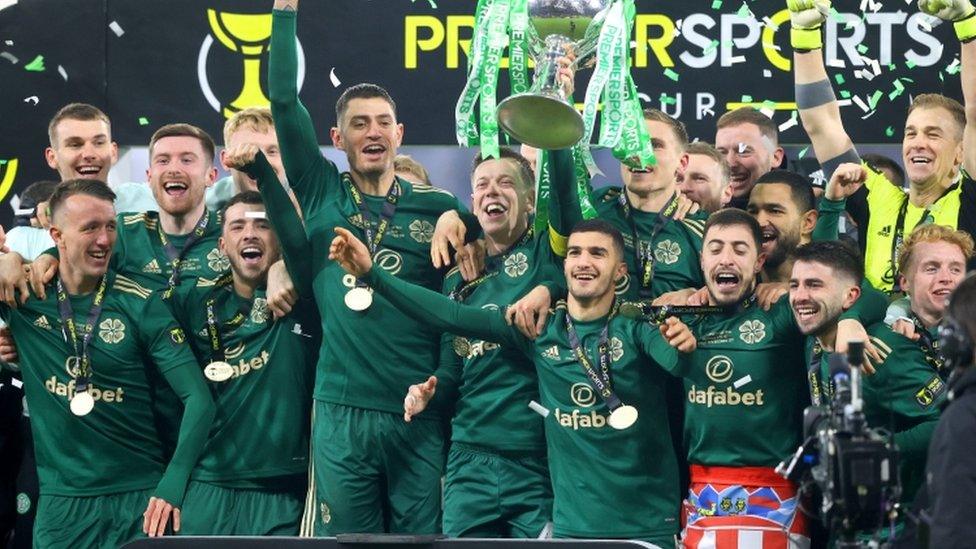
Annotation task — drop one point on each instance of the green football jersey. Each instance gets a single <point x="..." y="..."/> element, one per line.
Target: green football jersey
<point x="676" y="247"/>
<point x="115" y="448"/>
<point x="745" y="387"/>
<point x="629" y="475"/>
<point x="139" y="252"/>
<point x="495" y="383"/>
<point x="368" y="358"/>
<point x="263" y="411"/>
<point x="904" y="396"/>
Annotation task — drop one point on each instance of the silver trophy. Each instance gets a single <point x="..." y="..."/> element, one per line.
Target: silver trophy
<point x="543" y="117"/>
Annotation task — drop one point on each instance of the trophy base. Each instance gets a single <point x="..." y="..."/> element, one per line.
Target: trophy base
<point x="540" y="121"/>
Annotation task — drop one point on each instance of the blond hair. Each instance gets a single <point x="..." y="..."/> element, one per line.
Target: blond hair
<point x="706" y="149"/>
<point x="406" y="163"/>
<point x="933" y="233"/>
<point x="253" y="118"/>
<point x="749" y="115"/>
<point x="935" y="101"/>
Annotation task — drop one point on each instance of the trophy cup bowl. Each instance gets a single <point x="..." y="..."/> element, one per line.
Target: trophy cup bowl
<point x="543" y="117"/>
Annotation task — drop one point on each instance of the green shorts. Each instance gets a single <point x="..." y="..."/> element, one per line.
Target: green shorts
<point x="212" y="510"/>
<point x="90" y="521"/>
<point x="374" y="472"/>
<point x="488" y="495"/>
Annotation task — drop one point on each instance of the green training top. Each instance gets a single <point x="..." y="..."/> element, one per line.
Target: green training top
<point x="607" y="483"/>
<point x="368" y="359"/>
<point x="904" y="396"/>
<point x="746" y="387"/>
<point x="136" y="350"/>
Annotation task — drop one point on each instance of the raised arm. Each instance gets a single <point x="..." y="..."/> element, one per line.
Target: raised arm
<point x="819" y="110"/>
<point x="296" y="133"/>
<point x="963" y="16"/>
<point x="437" y="311"/>
<point x="564" y="204"/>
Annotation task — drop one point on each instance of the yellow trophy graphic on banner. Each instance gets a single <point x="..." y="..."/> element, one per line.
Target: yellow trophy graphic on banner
<point x="249" y="35"/>
<point x="8" y="174"/>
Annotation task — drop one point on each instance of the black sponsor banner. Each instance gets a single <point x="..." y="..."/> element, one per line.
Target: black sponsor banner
<point x="148" y="63"/>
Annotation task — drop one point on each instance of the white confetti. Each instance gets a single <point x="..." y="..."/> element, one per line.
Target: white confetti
<point x="8" y="42"/>
<point x="63" y="73"/>
<point x="16" y="383"/>
<point x="742" y="381"/>
<point x="837" y="63"/>
<point x="860" y="103"/>
<point x="742" y="147"/>
<point x="768" y="23"/>
<point x="334" y="78"/>
<point x="116" y="28"/>
<point x="255" y="215"/>
<point x="843" y="102"/>
<point x="767" y="73"/>
<point x="538" y="408"/>
<point x="738" y="59"/>
<point x="9" y="57"/>
<point x="787" y="125"/>
<point x="33" y="100"/>
<point x="769" y="112"/>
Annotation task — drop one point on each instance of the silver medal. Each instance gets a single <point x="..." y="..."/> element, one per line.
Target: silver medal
<point x="82" y="403"/>
<point x="218" y="371"/>
<point x="623" y="417"/>
<point x="359" y="298"/>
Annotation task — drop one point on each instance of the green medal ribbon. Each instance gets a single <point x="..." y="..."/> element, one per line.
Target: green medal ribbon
<point x="466" y="126"/>
<point x="543" y="184"/>
<point x="518" y="47"/>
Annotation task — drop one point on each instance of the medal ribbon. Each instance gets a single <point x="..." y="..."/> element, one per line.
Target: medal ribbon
<point x="543" y="184"/>
<point x="601" y="380"/>
<point x="373" y="237"/>
<point x="176" y="256"/>
<point x="891" y="275"/>
<point x="930" y="346"/>
<point x="213" y="325"/>
<point x="70" y="329"/>
<point x="518" y="46"/>
<point x="644" y="249"/>
<point x="463" y="291"/>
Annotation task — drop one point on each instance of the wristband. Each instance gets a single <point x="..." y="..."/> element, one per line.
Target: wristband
<point x="807" y="39"/>
<point x="966" y="27"/>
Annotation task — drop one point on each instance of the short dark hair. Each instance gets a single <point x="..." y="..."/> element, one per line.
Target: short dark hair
<point x="877" y="162"/>
<point x="732" y="217"/>
<point x="524" y="168"/>
<point x="677" y="126"/>
<point x="361" y="91"/>
<point x="597" y="225"/>
<point x="252" y="198"/>
<point x="37" y="192"/>
<point x="72" y="187"/>
<point x="801" y="191"/>
<point x="840" y="256"/>
<point x="75" y="111"/>
<point x="185" y="130"/>
<point x="749" y="115"/>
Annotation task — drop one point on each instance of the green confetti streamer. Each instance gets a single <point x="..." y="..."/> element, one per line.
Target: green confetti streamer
<point x="711" y="47"/>
<point x="668" y="100"/>
<point x="953" y="69"/>
<point x="2" y="161"/>
<point x="889" y="131"/>
<point x="862" y="49"/>
<point x="37" y="65"/>
<point x="769" y="104"/>
<point x="671" y="74"/>
<point x="747" y="99"/>
<point x="804" y="152"/>
<point x="143" y="121"/>
<point x="910" y="64"/>
<point x="839" y="78"/>
<point x="716" y="4"/>
<point x="873" y="101"/>
<point x="744" y="11"/>
<point x="845" y="94"/>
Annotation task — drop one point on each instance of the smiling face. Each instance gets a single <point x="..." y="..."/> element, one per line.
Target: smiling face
<point x="936" y="269"/>
<point x="82" y="149"/>
<point x="83" y="229"/>
<point x="730" y="261"/>
<point x="500" y="198"/>
<point x="370" y="135"/>
<point x="249" y="243"/>
<point x="782" y="222"/>
<point x="932" y="146"/>
<point x="749" y="153"/>
<point x="670" y="156"/>
<point x="818" y="296"/>
<point x="179" y="174"/>
<point x="592" y="266"/>
<point x="702" y="182"/>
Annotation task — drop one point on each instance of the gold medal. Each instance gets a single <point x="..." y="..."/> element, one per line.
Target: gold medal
<point x="623" y="417"/>
<point x="218" y="371"/>
<point x="462" y="346"/>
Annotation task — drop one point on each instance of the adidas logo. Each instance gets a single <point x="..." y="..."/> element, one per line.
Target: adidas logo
<point x="152" y="267"/>
<point x="42" y="322"/>
<point x="551" y="353"/>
